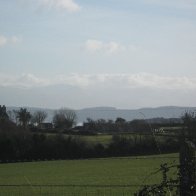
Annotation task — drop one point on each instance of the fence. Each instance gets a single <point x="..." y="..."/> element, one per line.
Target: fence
<point x="69" y="190"/>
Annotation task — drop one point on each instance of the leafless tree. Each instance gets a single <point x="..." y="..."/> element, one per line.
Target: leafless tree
<point x="39" y="117"/>
<point x="64" y="118"/>
<point x="24" y="117"/>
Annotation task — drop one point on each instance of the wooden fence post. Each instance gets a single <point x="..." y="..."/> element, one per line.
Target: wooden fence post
<point x="187" y="169"/>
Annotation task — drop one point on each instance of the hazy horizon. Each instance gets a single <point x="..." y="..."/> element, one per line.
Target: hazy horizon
<point x="99" y="108"/>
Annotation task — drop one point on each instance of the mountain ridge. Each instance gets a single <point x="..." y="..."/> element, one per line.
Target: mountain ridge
<point x="112" y="113"/>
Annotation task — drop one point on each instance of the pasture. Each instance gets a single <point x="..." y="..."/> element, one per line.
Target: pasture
<point x="109" y="176"/>
<point x="106" y="139"/>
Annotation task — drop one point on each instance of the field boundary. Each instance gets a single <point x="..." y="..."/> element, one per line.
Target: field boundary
<point x="154" y="156"/>
<point x="77" y="185"/>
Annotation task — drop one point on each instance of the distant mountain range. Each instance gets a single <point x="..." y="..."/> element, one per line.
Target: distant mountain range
<point x="112" y="113"/>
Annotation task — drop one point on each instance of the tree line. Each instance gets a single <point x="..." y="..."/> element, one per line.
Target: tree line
<point x="18" y="143"/>
<point x="65" y="120"/>
<point x="62" y="119"/>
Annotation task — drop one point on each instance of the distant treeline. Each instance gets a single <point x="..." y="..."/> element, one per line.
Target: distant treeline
<point x="65" y="121"/>
<point x="19" y="144"/>
<point x="121" y="125"/>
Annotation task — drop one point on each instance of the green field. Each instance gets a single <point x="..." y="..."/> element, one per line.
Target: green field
<point x="94" y="139"/>
<point x="110" y="176"/>
<point x="105" y="139"/>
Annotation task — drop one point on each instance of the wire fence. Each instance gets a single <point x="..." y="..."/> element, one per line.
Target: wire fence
<point x="73" y="190"/>
<point x="70" y="190"/>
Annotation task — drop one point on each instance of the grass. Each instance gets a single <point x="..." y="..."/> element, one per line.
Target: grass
<point x="106" y="139"/>
<point x="94" y="139"/>
<point x="109" y="176"/>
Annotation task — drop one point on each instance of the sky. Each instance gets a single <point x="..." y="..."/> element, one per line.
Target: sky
<point x="86" y="53"/>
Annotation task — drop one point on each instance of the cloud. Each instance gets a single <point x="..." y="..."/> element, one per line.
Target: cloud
<point x="94" y="45"/>
<point x="3" y="40"/>
<point x="9" y="40"/>
<point x="112" y="47"/>
<point x="22" y="81"/>
<point x="69" y="5"/>
<point x="160" y="82"/>
<point x="105" y="81"/>
<point x="14" y="40"/>
<point x="78" y="80"/>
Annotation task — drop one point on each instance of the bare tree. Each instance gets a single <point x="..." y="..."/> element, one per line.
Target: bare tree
<point x="39" y="117"/>
<point x="24" y="117"/>
<point x="13" y="116"/>
<point x="64" y="118"/>
<point x="3" y="114"/>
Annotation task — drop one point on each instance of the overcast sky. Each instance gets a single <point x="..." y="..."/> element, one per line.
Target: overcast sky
<point x="86" y="53"/>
